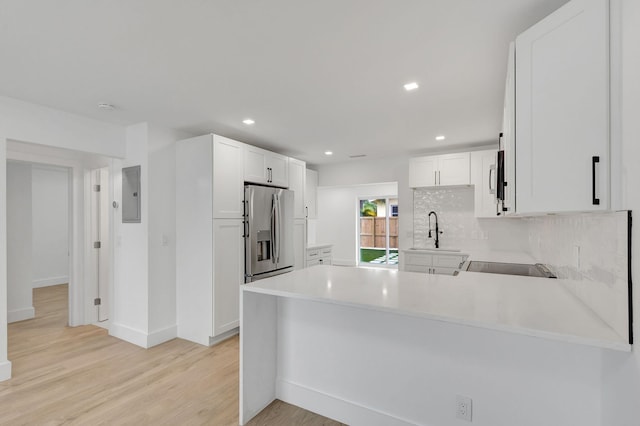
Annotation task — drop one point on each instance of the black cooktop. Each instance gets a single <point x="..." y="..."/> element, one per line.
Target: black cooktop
<point x="528" y="270"/>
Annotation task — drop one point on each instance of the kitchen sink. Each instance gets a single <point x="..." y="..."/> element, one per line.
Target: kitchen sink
<point x="437" y="250"/>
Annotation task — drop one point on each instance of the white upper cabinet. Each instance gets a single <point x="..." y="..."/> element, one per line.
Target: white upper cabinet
<point x="297" y="177"/>
<point x="311" y="194"/>
<point x="262" y="166"/>
<point x="508" y="141"/>
<point x="228" y="194"/>
<point x="439" y="170"/>
<point x="562" y="111"/>
<point x="483" y="169"/>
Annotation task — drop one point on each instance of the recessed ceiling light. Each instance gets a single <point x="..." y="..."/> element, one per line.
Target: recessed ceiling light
<point x="440" y="138"/>
<point x="411" y="86"/>
<point x="248" y="121"/>
<point x="106" y="107"/>
<point x="328" y="153"/>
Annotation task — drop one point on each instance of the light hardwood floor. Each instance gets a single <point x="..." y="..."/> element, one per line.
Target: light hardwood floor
<point x="83" y="376"/>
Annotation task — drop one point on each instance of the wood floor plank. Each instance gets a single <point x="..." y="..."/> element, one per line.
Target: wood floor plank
<point x="83" y="376"/>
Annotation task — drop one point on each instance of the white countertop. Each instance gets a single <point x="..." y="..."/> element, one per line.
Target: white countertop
<point x="317" y="246"/>
<point x="481" y="255"/>
<point x="531" y="306"/>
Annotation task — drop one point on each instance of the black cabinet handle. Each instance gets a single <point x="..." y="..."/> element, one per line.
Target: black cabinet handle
<point x="595" y="159"/>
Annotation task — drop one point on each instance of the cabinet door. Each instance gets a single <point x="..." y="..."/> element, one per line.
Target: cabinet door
<point x="228" y="271"/>
<point x="509" y="135"/>
<point x="297" y="177"/>
<point x="562" y="110"/>
<point x="300" y="243"/>
<point x="483" y="178"/>
<point x="453" y="169"/>
<point x="228" y="193"/>
<point x="255" y="164"/>
<point x="277" y="170"/>
<point x="311" y="193"/>
<point x="423" y="171"/>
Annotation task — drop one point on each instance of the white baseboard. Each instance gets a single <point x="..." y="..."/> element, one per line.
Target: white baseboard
<point x="224" y="336"/>
<point x="163" y="335"/>
<point x="128" y="334"/>
<point x="140" y="338"/>
<point x="343" y="262"/>
<point x="20" y="314"/>
<point x="334" y="407"/>
<point x="5" y="370"/>
<point x="46" y="282"/>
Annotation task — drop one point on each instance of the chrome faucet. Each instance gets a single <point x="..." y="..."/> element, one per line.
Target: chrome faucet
<point x="438" y="232"/>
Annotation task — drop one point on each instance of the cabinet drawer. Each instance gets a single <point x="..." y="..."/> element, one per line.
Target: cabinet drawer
<point x="325" y="251"/>
<point x="318" y="261"/>
<point x="418" y="259"/>
<point x="313" y="254"/>
<point x="416" y="268"/>
<point x="448" y="261"/>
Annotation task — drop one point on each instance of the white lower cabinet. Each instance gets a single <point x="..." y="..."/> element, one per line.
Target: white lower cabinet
<point x="319" y="255"/>
<point x="430" y="263"/>
<point x="228" y="270"/>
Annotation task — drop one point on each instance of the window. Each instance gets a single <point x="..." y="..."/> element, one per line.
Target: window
<point x="378" y="242"/>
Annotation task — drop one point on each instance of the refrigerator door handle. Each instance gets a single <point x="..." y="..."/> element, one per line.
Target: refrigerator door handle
<point x="279" y="221"/>
<point x="273" y="228"/>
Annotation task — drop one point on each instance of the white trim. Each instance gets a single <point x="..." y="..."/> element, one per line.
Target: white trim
<point x="336" y="408"/>
<point x="343" y="262"/>
<point x="163" y="335"/>
<point x="20" y="314"/>
<point x="128" y="334"/>
<point x="223" y="336"/>
<point x="5" y="370"/>
<point x="47" y="282"/>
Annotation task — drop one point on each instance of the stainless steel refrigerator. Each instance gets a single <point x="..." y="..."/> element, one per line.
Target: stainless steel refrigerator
<point x="268" y="232"/>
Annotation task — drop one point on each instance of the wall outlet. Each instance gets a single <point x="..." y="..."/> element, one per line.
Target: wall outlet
<point x="463" y="407"/>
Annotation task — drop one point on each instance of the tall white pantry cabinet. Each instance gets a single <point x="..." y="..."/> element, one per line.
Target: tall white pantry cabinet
<point x="209" y="237"/>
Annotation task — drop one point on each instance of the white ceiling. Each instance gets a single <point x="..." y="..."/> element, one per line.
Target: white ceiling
<point x="314" y="75"/>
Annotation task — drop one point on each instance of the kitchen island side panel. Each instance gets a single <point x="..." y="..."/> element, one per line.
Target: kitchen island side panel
<point x="258" y="353"/>
<point x="361" y="366"/>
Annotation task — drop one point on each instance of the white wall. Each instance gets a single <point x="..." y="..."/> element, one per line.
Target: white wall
<point x="5" y="364"/>
<point x="621" y="371"/>
<point x="364" y="172"/>
<point x="50" y="195"/>
<point x="144" y="310"/>
<point x="162" y="234"/>
<point x="130" y="319"/>
<point x="19" y="269"/>
<point x="338" y="212"/>
<point x="27" y="122"/>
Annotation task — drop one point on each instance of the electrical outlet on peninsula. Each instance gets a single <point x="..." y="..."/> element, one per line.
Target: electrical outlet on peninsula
<point x="463" y="407"/>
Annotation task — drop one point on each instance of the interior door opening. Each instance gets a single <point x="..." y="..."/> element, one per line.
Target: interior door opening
<point x="378" y="232"/>
<point x="38" y="219"/>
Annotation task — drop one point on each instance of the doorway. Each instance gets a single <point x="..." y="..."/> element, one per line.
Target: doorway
<point x="378" y="231"/>
<point x="38" y="219"/>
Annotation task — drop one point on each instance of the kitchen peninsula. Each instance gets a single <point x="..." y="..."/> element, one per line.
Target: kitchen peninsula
<point x="362" y="345"/>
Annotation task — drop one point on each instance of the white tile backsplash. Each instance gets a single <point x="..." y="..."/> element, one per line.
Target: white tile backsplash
<point x="461" y="229"/>
<point x="587" y="251"/>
